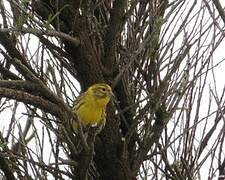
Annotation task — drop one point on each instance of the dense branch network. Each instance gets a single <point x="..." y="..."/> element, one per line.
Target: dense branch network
<point x="159" y="58"/>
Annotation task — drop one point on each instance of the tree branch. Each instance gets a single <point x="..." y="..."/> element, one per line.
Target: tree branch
<point x="220" y="9"/>
<point x="31" y="99"/>
<point x="46" y="32"/>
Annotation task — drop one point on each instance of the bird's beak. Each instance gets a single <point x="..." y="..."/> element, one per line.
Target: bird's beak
<point x="111" y="95"/>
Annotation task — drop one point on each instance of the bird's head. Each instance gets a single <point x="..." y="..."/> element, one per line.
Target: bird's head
<point x="101" y="91"/>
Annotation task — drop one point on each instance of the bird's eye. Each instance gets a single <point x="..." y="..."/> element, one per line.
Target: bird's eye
<point x="103" y="89"/>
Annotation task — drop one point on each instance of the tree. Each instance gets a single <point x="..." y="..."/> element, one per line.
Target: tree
<point x="167" y="121"/>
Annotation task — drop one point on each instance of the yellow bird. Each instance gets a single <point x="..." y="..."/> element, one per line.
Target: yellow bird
<point x="91" y="105"/>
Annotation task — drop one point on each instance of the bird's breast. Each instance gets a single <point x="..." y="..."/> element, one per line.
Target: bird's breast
<point x="90" y="114"/>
